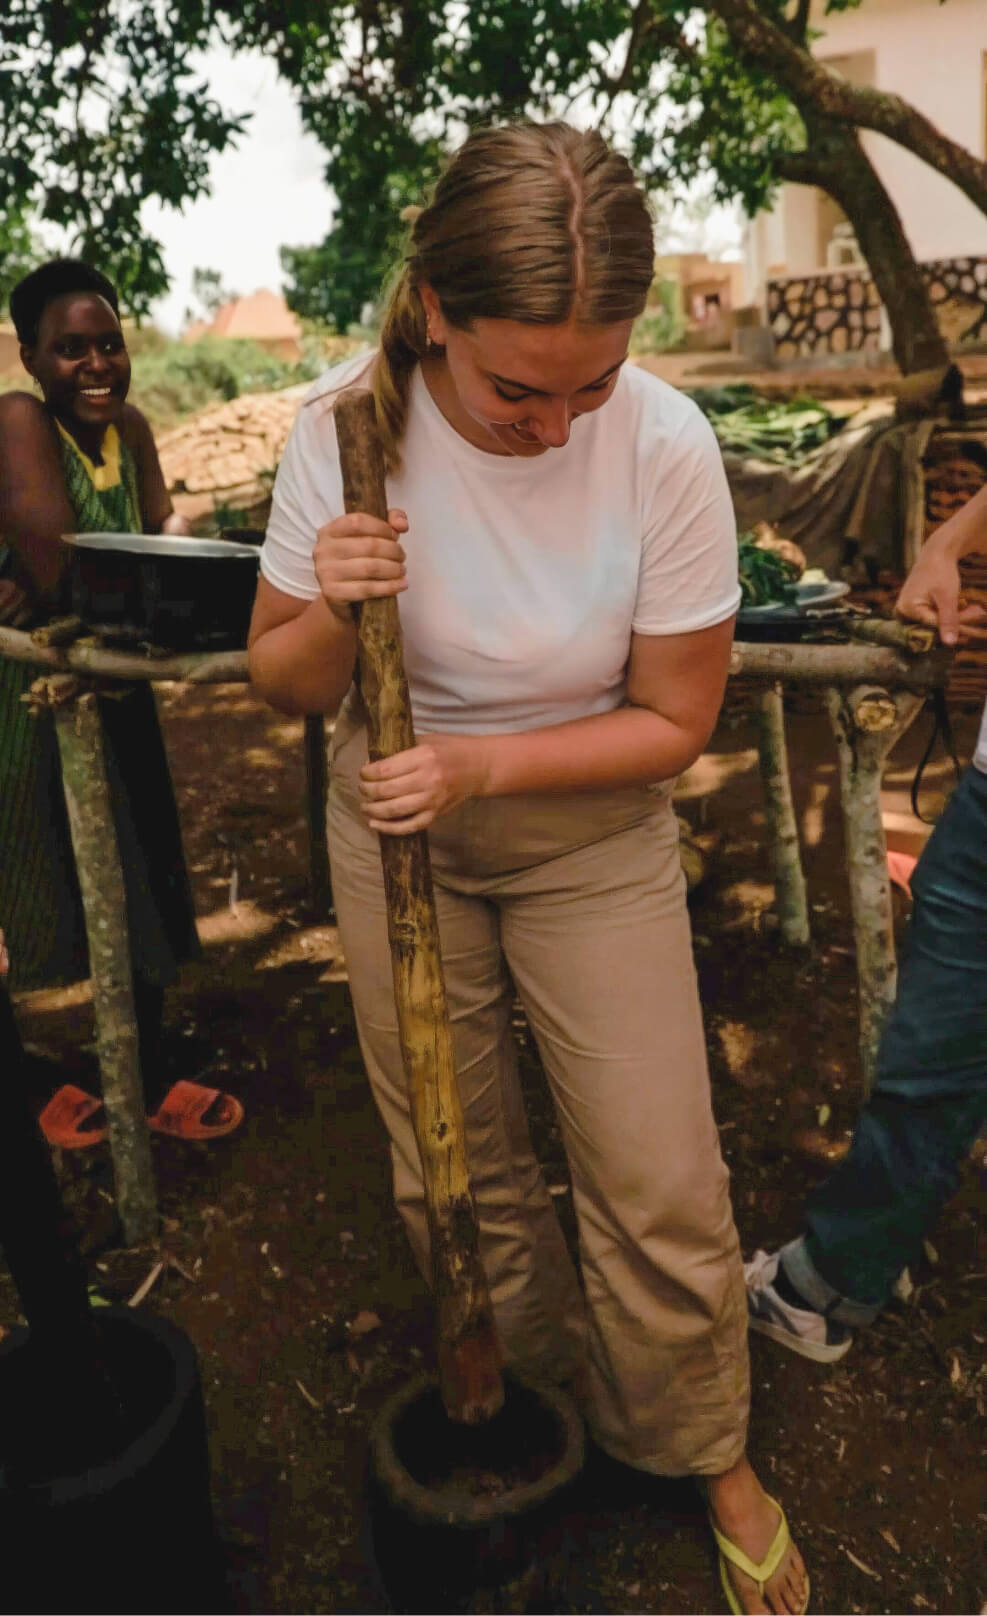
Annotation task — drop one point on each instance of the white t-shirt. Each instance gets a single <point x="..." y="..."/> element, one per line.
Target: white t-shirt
<point x="526" y="577"/>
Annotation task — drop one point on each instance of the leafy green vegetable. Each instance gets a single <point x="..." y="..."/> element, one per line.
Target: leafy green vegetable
<point x="765" y="576"/>
<point x="780" y="430"/>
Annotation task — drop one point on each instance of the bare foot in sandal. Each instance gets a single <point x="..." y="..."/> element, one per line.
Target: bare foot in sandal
<point x="760" y="1567"/>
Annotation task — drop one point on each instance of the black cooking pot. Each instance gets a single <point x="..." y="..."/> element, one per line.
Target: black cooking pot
<point x="190" y="594"/>
<point x="135" y="1531"/>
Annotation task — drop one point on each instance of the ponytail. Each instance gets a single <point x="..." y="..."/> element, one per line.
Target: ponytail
<point x="403" y="342"/>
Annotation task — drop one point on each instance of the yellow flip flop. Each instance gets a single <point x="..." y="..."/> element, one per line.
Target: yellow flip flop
<point x="760" y="1573"/>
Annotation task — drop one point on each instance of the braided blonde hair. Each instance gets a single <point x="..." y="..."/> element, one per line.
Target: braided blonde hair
<point x="539" y="223"/>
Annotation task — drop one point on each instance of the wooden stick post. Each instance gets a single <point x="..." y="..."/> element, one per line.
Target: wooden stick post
<point x="867" y="722"/>
<point x="779" y="813"/>
<point x="469" y="1354"/>
<point x="316" y="780"/>
<point x="87" y="798"/>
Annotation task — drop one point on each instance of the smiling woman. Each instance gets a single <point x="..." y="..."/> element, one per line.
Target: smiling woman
<point x="79" y="458"/>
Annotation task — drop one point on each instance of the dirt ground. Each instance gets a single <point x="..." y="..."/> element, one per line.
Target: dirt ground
<point x="286" y="1265"/>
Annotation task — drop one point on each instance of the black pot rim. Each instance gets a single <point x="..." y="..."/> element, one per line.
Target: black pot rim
<point x="122" y="1467"/>
<point x="452" y="1506"/>
<point x="170" y="546"/>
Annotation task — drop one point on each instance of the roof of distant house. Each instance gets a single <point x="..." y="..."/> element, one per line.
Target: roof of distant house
<point x="264" y="315"/>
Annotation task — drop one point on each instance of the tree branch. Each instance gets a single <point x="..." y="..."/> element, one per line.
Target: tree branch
<point x="796" y="26"/>
<point x="650" y="30"/>
<point x="814" y="86"/>
<point x="799" y="168"/>
<point x="836" y="161"/>
<point x="639" y="24"/>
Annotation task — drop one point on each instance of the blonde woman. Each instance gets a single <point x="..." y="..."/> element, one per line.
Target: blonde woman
<point x="562" y="544"/>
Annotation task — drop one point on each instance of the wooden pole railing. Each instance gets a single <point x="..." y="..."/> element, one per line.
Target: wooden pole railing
<point x="873" y="685"/>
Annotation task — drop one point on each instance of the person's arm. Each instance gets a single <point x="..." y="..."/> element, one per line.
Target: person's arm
<point x="34" y="507"/>
<point x="675" y="686"/>
<point x="302" y="653"/>
<point x="931" y="592"/>
<point x="157" y="511"/>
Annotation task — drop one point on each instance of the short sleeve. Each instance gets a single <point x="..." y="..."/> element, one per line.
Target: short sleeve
<point x="308" y="492"/>
<point x="688" y="574"/>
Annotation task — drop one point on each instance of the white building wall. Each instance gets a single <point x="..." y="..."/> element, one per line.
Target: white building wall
<point x="800" y="212"/>
<point x="933" y="56"/>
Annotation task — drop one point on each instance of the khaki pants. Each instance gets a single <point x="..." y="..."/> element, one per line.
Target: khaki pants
<point x="578" y="902"/>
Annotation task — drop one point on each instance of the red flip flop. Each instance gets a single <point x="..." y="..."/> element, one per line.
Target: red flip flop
<point x="63" y="1117"/>
<point x="181" y="1112"/>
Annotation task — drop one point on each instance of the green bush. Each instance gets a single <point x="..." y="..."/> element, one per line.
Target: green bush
<point x="172" y="380"/>
<point x="660" y="328"/>
<point x="176" y="379"/>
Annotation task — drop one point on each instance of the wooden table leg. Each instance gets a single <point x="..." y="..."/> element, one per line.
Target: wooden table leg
<point x="316" y="785"/>
<point x="867" y="723"/>
<point x="779" y="813"/>
<point x="97" y="857"/>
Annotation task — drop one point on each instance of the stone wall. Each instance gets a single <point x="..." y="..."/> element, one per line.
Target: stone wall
<point x="958" y="291"/>
<point x="838" y="311"/>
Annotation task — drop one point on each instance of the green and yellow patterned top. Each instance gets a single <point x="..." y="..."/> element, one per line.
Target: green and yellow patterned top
<point x="40" y="904"/>
<point x="105" y="498"/>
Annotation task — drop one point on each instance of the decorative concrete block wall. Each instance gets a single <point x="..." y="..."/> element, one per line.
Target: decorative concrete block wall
<point x="833" y="312"/>
<point x="838" y="311"/>
<point x="958" y="292"/>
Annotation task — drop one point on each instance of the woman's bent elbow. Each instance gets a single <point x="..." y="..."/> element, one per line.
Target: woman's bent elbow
<point x="268" y="681"/>
<point x="286" y="692"/>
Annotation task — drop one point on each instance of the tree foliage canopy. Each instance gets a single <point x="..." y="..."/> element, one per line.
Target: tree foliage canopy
<point x="387" y="86"/>
<point x="107" y="113"/>
<point x="99" y="112"/>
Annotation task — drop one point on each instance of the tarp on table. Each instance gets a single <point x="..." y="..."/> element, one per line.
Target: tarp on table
<point x="864" y="485"/>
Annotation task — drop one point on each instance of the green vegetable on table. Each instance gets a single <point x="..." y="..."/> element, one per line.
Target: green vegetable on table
<point x="783" y="431"/>
<point x="765" y="576"/>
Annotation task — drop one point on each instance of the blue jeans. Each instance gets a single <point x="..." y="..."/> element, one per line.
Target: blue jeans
<point x="866" y="1223"/>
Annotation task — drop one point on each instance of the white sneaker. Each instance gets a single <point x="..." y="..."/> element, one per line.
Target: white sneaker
<point x="802" y="1330"/>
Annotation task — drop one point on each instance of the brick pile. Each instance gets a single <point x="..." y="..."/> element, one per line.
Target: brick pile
<point x="227" y="457"/>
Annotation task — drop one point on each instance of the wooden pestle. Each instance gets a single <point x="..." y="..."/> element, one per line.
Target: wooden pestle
<point x="468" y="1350"/>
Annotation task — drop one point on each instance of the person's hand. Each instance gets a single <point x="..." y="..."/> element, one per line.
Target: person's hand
<point x="406" y="792"/>
<point x="177" y="524"/>
<point x="931" y="595"/>
<point x="359" y="557"/>
<point x="14" y="607"/>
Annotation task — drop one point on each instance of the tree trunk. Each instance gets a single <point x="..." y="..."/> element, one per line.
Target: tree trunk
<point x="851" y="179"/>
